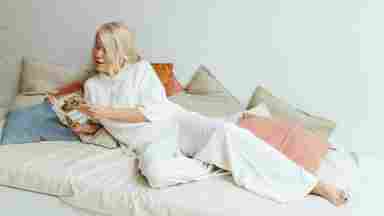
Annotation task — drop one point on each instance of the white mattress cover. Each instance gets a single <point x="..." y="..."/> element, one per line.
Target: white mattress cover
<point x="110" y="192"/>
<point x="102" y="185"/>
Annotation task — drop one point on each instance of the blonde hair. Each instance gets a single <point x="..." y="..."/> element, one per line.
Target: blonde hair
<point x="119" y="45"/>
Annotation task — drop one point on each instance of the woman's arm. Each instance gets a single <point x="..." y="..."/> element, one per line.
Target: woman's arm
<point x="130" y="115"/>
<point x="89" y="128"/>
<point x="69" y="88"/>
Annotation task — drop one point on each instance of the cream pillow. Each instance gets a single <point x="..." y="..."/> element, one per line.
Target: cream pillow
<point x="280" y="108"/>
<point x="260" y="110"/>
<point x="39" y="77"/>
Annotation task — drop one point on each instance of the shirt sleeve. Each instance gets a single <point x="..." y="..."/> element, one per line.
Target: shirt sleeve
<point x="155" y="105"/>
<point x="88" y="93"/>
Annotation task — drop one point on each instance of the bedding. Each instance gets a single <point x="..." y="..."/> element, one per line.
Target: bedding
<point x="43" y="167"/>
<point x="282" y="109"/>
<point x="33" y="124"/>
<point x="106" y="188"/>
<point x="215" y="196"/>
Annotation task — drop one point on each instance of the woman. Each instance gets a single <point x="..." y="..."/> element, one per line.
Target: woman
<point x="174" y="145"/>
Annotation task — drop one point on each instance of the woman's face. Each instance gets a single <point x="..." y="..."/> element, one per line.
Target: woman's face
<point x="98" y="51"/>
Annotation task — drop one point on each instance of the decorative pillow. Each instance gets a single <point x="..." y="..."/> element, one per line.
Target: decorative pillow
<point x="206" y="95"/>
<point x="10" y="72"/>
<point x="292" y="139"/>
<point x="167" y="77"/>
<point x="282" y="109"/>
<point x="34" y="124"/>
<point x="260" y="110"/>
<point x="204" y="82"/>
<point x="40" y="77"/>
<point x="23" y="101"/>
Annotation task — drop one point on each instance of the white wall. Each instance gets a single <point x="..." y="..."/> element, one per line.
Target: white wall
<point x="323" y="56"/>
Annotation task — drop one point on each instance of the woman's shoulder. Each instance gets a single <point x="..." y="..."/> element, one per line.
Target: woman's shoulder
<point x="91" y="81"/>
<point x="142" y="63"/>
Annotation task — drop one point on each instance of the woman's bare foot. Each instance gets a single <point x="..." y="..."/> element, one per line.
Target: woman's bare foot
<point x="331" y="193"/>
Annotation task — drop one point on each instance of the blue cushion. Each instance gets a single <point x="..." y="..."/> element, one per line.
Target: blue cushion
<point x="33" y="124"/>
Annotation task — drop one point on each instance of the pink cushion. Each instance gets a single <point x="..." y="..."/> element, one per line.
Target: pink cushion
<point x="292" y="139"/>
<point x="177" y="87"/>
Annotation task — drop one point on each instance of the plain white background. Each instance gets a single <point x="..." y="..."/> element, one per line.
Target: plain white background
<point x="322" y="56"/>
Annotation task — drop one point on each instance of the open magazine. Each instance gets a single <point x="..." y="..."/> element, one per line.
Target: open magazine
<point x="66" y="109"/>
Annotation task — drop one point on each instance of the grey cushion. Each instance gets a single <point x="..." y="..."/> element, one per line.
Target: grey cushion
<point x="206" y="95"/>
<point x="280" y="108"/>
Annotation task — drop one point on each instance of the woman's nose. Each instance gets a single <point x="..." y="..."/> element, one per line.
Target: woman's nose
<point x="98" y="53"/>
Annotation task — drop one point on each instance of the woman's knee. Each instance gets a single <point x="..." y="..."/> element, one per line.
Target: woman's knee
<point x="156" y="175"/>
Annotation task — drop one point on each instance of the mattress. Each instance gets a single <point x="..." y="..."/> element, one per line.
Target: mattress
<point x="103" y="185"/>
<point x="109" y="191"/>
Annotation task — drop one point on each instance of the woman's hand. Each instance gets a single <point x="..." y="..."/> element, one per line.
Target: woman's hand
<point x="131" y="115"/>
<point x="97" y="112"/>
<point x="85" y="129"/>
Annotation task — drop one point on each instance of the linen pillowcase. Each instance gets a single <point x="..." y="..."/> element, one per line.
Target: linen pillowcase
<point x="281" y="109"/>
<point x="167" y="77"/>
<point x="40" y="77"/>
<point x="206" y="95"/>
<point x="292" y="139"/>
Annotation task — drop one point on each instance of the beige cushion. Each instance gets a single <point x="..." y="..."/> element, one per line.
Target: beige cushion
<point x="10" y="72"/>
<point x="206" y="95"/>
<point x="211" y="105"/>
<point x="204" y="82"/>
<point x="38" y="76"/>
<point x="280" y="108"/>
<point x="22" y="101"/>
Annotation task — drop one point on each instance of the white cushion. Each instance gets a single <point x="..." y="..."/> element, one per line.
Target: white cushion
<point x="260" y="110"/>
<point x="43" y="167"/>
